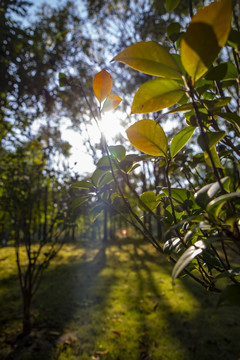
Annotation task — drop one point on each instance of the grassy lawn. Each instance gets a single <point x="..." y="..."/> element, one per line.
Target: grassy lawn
<point x="115" y="303"/>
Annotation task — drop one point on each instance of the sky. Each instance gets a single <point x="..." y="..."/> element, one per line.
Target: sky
<point x="80" y="161"/>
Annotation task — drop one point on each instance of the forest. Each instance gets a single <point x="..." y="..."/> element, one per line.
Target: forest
<point x="119" y="180"/>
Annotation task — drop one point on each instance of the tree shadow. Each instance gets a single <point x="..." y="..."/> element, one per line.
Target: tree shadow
<point x="71" y="306"/>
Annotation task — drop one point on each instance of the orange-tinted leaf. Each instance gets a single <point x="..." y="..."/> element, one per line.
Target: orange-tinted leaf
<point x="149" y="137"/>
<point x="111" y="102"/>
<point x="207" y="32"/>
<point x="102" y="85"/>
<point x="150" y="58"/>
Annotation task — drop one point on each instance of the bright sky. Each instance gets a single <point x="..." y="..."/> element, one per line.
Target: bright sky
<point x="80" y="160"/>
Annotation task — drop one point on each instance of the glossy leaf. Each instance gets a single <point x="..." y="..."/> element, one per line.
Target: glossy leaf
<point x="150" y="58"/>
<point x="155" y="95"/>
<point x="192" y="252"/>
<point x="225" y="71"/>
<point x="171" y="4"/>
<point x="171" y="245"/>
<point x="102" y="85"/>
<point x="149" y="200"/>
<point x="207" y="32"/>
<point x="207" y="192"/>
<point x="215" y="206"/>
<point x="148" y="137"/>
<point x="180" y="139"/>
<point x="111" y="102"/>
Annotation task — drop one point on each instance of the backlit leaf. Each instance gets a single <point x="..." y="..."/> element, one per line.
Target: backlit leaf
<point x="149" y="200"/>
<point x="111" y="102"/>
<point x="118" y="152"/>
<point x="155" y="95"/>
<point x="180" y="139"/>
<point x="149" y="137"/>
<point x="207" y="32"/>
<point x="150" y="58"/>
<point x="215" y="158"/>
<point x="102" y="85"/>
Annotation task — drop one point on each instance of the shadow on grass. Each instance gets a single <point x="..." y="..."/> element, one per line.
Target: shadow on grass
<point x="71" y="310"/>
<point x="204" y="332"/>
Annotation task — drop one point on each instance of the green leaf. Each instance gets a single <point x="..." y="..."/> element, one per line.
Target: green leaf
<point x="150" y="58"/>
<point x="207" y="192"/>
<point x="173" y="31"/>
<point x="149" y="137"/>
<point x="103" y="164"/>
<point x="97" y="175"/>
<point x="207" y="32"/>
<point x="217" y="103"/>
<point x="231" y="117"/>
<point x="181" y="108"/>
<point x="215" y="206"/>
<point x="234" y="39"/>
<point x="180" y="139"/>
<point x="79" y="201"/>
<point x="83" y="185"/>
<point x="171" y="245"/>
<point x="188" y="256"/>
<point x="106" y="179"/>
<point x="95" y="211"/>
<point x="149" y="200"/>
<point x="225" y="71"/>
<point x="215" y="158"/>
<point x="230" y="295"/>
<point x="155" y="95"/>
<point x="118" y="152"/>
<point x="212" y="138"/>
<point x="171" y="4"/>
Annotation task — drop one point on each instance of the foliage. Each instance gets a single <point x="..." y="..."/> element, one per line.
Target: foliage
<point x="199" y="195"/>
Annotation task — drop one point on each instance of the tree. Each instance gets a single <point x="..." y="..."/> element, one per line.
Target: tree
<point x="199" y="208"/>
<point x="36" y="200"/>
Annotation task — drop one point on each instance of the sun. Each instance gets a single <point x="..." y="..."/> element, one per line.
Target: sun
<point x="110" y="125"/>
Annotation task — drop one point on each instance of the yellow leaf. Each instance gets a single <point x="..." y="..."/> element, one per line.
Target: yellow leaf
<point x="102" y="85"/>
<point x="207" y="32"/>
<point x="155" y="95"/>
<point x="215" y="158"/>
<point x="150" y="58"/>
<point x="111" y="102"/>
<point x="148" y="137"/>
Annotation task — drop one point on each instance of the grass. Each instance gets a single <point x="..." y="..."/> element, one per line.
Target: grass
<point x="115" y="303"/>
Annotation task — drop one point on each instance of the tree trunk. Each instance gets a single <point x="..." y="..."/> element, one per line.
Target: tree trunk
<point x="27" y="313"/>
